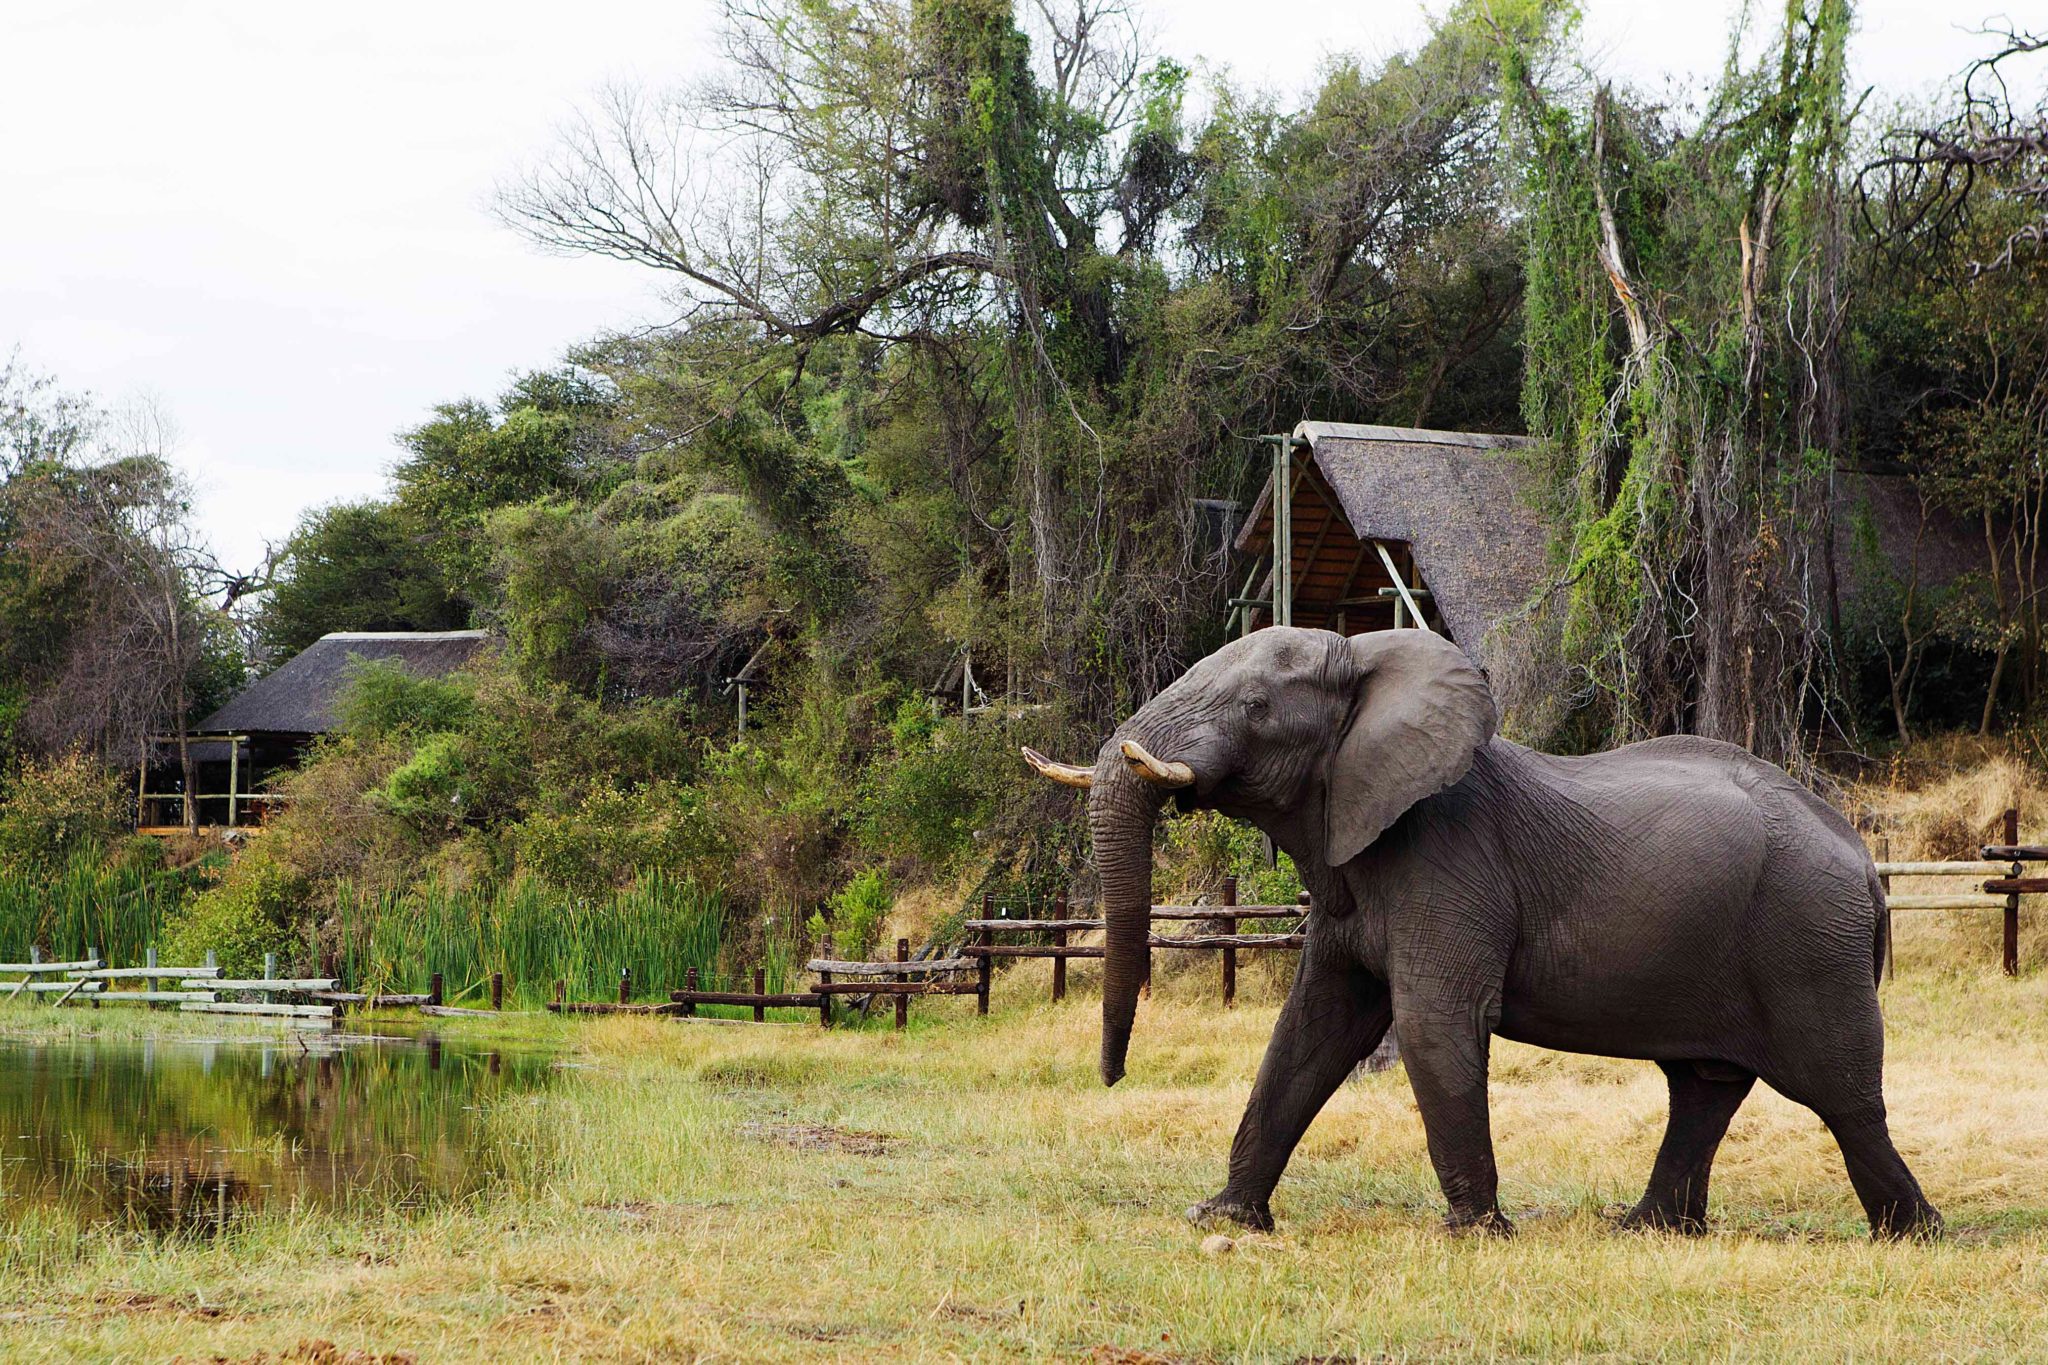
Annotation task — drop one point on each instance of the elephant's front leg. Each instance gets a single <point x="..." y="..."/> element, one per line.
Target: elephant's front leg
<point x="1446" y="1054"/>
<point x="1336" y="1014"/>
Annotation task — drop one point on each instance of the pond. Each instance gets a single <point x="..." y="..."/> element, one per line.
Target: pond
<point x="181" y="1135"/>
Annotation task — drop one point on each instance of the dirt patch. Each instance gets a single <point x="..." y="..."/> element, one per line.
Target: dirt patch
<point x="818" y="1137"/>
<point x="307" y="1353"/>
<point x="158" y="1303"/>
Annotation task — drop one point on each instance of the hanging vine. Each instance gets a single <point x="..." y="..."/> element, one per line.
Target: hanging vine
<point x="1683" y="363"/>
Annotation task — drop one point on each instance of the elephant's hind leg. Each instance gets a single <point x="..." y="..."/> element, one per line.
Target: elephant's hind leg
<point x="1335" y="1014"/>
<point x="1890" y="1195"/>
<point x="1704" y="1098"/>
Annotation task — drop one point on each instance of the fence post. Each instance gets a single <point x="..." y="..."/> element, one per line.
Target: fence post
<point x="760" y="988"/>
<point x="434" y="990"/>
<point x="1229" y="954"/>
<point x="1059" y="940"/>
<point x="902" y="1000"/>
<point x="986" y="938"/>
<point x="625" y="984"/>
<point x="2012" y="901"/>
<point x="690" y="991"/>
<point x="149" y="960"/>
<point x="497" y="990"/>
<point x="824" y="979"/>
<point x="270" y="974"/>
<point x="561" y="997"/>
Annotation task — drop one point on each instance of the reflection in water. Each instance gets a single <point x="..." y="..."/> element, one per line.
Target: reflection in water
<point x="176" y="1136"/>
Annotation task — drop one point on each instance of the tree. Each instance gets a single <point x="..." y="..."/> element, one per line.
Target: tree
<point x="354" y="566"/>
<point x="1683" y="330"/>
<point x="544" y="436"/>
<point x="1001" y="220"/>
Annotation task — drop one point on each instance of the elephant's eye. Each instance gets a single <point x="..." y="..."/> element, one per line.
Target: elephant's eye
<point x="1258" y="706"/>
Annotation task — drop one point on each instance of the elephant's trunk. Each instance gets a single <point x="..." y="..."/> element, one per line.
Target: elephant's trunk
<point x="1121" y="809"/>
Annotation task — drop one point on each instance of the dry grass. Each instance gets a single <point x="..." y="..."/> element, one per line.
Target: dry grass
<point x="969" y="1191"/>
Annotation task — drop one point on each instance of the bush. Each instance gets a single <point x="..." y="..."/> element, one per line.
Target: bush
<point x="858" y="912"/>
<point x="256" y="908"/>
<point x="54" y="811"/>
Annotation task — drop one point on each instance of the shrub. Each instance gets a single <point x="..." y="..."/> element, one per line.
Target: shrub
<point x="51" y="812"/>
<point x="256" y="908"/>
<point x="858" y="911"/>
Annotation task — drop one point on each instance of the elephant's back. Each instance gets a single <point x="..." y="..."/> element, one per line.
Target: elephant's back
<point x="1670" y="881"/>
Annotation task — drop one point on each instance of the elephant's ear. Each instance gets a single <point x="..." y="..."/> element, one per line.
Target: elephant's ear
<point x="1420" y="713"/>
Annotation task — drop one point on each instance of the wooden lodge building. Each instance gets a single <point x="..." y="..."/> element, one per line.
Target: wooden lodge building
<point x="269" y="725"/>
<point x="1362" y="528"/>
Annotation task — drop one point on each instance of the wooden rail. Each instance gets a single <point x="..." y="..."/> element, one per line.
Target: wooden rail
<point x="1222" y="919"/>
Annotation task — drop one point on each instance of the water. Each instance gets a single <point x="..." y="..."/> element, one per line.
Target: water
<point x="172" y="1135"/>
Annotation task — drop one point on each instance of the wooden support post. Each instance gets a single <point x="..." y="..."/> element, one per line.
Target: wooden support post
<point x="984" y="968"/>
<point x="234" y="774"/>
<point x="902" y="1001"/>
<point x="690" y="988"/>
<point x="497" y="990"/>
<point x="149" y="960"/>
<point x="270" y="974"/>
<point x="760" y="988"/>
<point x="625" y="984"/>
<point x="434" y="989"/>
<point x="561" y="996"/>
<point x="1059" y="940"/>
<point x="1229" y="926"/>
<point x="2011" y="953"/>
<point x="825" y="979"/>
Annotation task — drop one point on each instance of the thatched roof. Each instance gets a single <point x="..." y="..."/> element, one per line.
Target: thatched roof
<point x="298" y="697"/>
<point x="1452" y="506"/>
<point x="1464" y="511"/>
<point x="1462" y="503"/>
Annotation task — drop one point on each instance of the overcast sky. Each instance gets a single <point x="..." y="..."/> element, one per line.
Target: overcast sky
<point x="273" y="217"/>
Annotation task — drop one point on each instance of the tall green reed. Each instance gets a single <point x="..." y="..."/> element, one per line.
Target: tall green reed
<point x="657" y="929"/>
<point x="117" y="911"/>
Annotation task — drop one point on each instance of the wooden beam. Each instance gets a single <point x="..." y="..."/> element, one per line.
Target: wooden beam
<point x="1407" y="600"/>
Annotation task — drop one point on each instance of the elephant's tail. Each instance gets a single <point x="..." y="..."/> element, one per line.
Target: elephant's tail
<point x="1881" y="936"/>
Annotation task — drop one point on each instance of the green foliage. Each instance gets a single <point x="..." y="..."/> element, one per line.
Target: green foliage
<point x="856" y="914"/>
<point x="259" y="906"/>
<point x="1692" y="420"/>
<point x="382" y="699"/>
<point x="934" y="787"/>
<point x="355" y="566"/>
<point x="542" y="438"/>
<point x="55" y="811"/>
<point x="1198" y="851"/>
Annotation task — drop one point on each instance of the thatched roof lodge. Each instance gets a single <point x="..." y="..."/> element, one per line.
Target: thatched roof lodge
<point x="268" y="724"/>
<point x="1456" y="519"/>
<point x="298" y="697"/>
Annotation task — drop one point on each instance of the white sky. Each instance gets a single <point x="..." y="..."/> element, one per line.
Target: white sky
<point x="272" y="217"/>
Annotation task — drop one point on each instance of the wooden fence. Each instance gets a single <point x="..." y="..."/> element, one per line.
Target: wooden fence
<point x="1225" y="918"/>
<point x="195" y="990"/>
<point x="2001" y="873"/>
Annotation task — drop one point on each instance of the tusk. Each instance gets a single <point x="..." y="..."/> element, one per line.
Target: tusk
<point x="1065" y="773"/>
<point x="1156" y="771"/>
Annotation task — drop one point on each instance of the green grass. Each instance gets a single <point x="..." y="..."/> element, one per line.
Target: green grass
<point x="968" y="1190"/>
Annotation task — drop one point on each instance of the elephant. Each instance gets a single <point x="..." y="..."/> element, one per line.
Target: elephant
<point x="1677" y="900"/>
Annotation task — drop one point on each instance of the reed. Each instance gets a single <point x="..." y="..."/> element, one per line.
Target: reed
<point x="117" y="911"/>
<point x="658" y="929"/>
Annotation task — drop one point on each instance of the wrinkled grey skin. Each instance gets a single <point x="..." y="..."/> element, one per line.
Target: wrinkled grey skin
<point x="1678" y="900"/>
